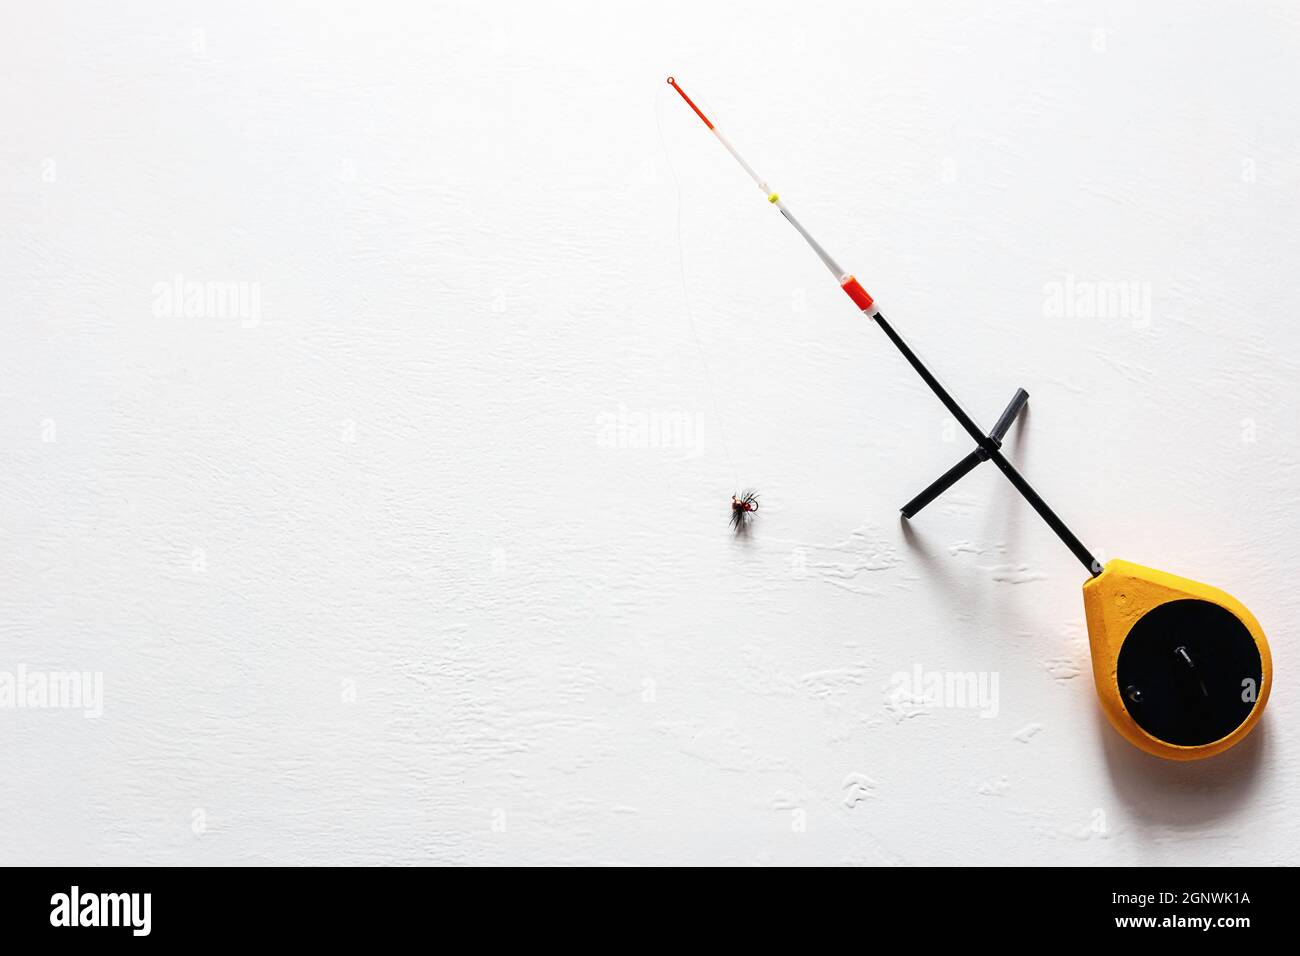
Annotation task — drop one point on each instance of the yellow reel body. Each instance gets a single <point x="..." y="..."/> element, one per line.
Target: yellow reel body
<point x="1183" y="670"/>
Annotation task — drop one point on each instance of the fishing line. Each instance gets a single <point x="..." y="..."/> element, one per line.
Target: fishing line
<point x="690" y="316"/>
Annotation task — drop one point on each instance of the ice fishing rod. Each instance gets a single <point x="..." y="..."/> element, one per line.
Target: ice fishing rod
<point x="988" y="446"/>
<point x="1183" y="670"/>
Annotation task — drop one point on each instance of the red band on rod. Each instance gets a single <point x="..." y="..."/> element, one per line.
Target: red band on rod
<point x="689" y="102"/>
<point x="857" y="293"/>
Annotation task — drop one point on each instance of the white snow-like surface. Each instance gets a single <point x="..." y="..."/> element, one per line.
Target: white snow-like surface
<point x="421" y="555"/>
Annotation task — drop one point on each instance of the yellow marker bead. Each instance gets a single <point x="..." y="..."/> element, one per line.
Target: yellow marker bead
<point x="773" y="198"/>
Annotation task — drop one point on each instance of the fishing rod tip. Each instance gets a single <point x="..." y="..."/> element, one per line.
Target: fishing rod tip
<point x="682" y="93"/>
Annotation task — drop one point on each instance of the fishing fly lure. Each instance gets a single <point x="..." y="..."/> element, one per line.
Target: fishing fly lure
<point x="1182" y="669"/>
<point x="743" y="509"/>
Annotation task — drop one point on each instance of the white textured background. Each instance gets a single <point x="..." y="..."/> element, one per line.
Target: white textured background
<point x="391" y="574"/>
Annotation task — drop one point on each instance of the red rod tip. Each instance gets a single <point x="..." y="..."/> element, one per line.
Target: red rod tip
<point x="689" y="102"/>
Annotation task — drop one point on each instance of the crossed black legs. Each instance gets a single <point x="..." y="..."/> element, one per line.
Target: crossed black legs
<point x="988" y="448"/>
<point x="967" y="464"/>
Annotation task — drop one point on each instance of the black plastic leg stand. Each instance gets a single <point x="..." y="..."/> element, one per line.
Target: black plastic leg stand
<point x="967" y="464"/>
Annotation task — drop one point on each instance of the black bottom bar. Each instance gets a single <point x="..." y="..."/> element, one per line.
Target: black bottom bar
<point x="377" y="907"/>
<point x="991" y="448"/>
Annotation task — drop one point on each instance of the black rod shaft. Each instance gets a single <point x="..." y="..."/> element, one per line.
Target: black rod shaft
<point x="991" y="447"/>
<point x="949" y="402"/>
<point x="1046" y="513"/>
